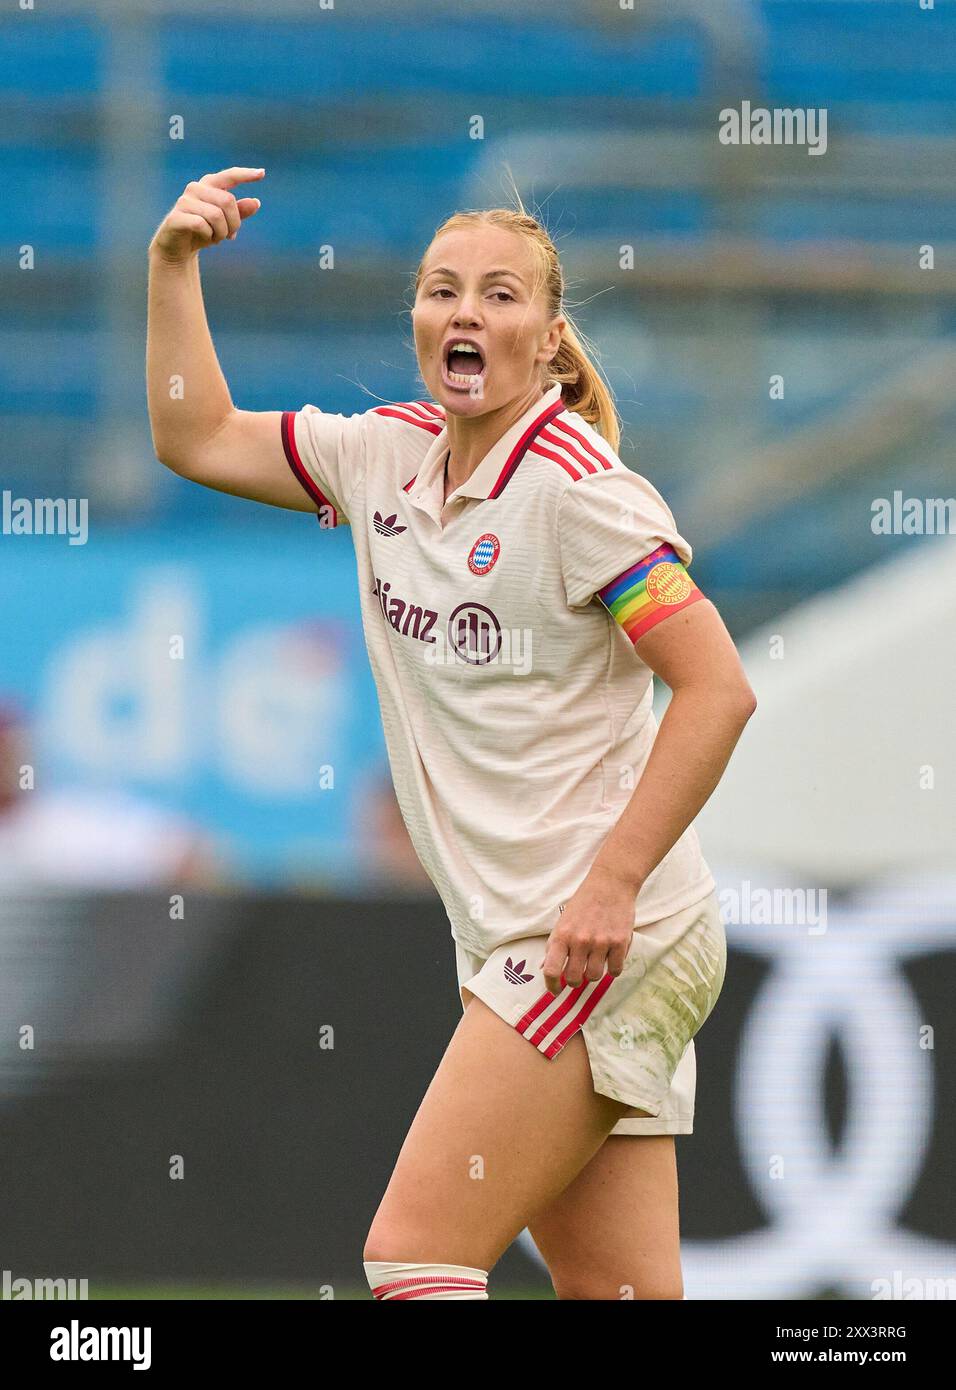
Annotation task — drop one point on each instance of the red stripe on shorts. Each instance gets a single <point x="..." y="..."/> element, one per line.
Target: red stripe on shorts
<point x="529" y="1018"/>
<point x="555" y="1047"/>
<point x="557" y="1015"/>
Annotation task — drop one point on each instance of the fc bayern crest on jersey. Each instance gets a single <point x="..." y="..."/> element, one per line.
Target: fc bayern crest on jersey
<point x="484" y="553"/>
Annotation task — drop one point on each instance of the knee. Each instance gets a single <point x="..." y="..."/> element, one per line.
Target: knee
<point x="602" y="1285"/>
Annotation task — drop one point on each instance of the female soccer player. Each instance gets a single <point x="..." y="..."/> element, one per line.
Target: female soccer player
<point x="519" y="586"/>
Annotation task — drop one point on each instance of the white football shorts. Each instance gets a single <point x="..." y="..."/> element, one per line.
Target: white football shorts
<point x="638" y="1027"/>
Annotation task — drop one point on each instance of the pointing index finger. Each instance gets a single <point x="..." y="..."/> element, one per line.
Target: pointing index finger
<point x="228" y="178"/>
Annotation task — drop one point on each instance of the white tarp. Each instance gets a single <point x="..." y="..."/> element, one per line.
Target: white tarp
<point x="847" y="770"/>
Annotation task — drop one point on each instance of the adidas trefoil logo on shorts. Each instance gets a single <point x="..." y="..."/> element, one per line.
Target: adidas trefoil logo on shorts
<point x="513" y="972"/>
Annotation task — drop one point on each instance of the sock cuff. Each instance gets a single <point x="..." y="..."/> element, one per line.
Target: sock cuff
<point x="399" y="1282"/>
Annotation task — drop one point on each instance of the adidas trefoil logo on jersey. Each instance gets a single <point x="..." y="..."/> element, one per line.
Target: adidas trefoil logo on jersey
<point x="387" y="527"/>
<point x="513" y="973"/>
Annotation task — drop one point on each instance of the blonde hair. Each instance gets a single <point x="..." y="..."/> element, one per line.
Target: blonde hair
<point x="583" y="389"/>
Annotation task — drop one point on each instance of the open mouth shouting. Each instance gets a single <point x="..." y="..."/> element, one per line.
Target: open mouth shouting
<point x="462" y="364"/>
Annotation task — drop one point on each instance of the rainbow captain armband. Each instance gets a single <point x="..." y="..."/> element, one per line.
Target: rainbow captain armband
<point x="649" y="591"/>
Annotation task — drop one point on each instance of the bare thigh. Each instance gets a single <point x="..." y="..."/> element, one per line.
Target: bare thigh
<point x="500" y="1132"/>
<point x="614" y="1232"/>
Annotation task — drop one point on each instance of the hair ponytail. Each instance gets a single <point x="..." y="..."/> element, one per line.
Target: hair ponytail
<point x="582" y="387"/>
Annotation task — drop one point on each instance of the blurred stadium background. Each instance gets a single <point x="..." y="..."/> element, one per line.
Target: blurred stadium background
<point x="824" y="1138"/>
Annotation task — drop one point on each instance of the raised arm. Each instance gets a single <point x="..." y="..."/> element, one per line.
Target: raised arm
<point x="197" y="431"/>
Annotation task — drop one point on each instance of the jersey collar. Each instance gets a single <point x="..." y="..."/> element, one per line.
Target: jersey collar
<point x="496" y="469"/>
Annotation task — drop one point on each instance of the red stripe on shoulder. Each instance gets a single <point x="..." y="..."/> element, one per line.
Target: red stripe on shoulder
<point x="570" y="449"/>
<point x="555" y="458"/>
<point x="413" y="413"/>
<point x="563" y="423"/>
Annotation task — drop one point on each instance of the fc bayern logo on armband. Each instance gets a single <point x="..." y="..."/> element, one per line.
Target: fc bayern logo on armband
<point x="484" y="553"/>
<point x="667" y="583"/>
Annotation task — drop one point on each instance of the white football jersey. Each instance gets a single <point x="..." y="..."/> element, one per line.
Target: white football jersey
<point x="517" y="713"/>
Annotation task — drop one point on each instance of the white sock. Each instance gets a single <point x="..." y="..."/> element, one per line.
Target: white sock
<point x="404" y="1281"/>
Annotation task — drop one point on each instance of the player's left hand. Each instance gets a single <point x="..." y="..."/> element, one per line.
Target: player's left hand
<point x="594" y="933"/>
